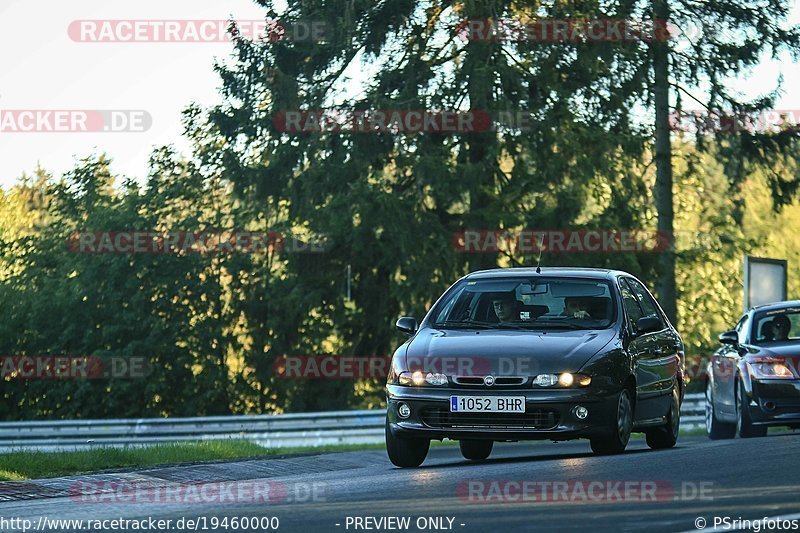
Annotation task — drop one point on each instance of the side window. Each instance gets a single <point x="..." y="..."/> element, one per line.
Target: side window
<point x="742" y="328"/>
<point x="631" y="305"/>
<point x="649" y="306"/>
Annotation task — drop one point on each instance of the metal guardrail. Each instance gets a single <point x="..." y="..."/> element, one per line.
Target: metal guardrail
<point x="272" y="431"/>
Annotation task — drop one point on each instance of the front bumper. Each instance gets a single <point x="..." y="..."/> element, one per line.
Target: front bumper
<point x="775" y="402"/>
<point x="549" y="414"/>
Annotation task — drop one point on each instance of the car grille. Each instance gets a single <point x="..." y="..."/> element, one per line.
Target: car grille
<point x="499" y="382"/>
<point x="435" y="417"/>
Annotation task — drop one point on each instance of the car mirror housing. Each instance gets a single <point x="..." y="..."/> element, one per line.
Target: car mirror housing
<point x="407" y="324"/>
<point x="648" y="324"/>
<point x="729" y="337"/>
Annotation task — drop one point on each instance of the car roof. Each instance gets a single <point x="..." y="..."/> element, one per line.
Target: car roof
<point x="573" y="272"/>
<point x="775" y="306"/>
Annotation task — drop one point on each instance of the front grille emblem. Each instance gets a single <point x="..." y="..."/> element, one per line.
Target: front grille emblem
<point x="488" y="381"/>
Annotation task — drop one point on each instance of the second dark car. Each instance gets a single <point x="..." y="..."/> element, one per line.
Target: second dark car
<point x="752" y="380"/>
<point x="523" y="354"/>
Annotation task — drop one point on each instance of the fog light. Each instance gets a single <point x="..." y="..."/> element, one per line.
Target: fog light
<point x="580" y="412"/>
<point x="403" y="410"/>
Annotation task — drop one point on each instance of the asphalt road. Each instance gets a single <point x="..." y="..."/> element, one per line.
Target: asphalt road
<point x="739" y="479"/>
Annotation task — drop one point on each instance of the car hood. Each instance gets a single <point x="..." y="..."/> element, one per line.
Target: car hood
<point x="789" y="350"/>
<point x="504" y="352"/>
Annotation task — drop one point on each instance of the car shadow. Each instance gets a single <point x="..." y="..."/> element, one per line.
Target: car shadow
<point x="530" y="458"/>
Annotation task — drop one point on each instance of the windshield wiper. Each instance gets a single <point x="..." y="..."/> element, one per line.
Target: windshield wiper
<point x="507" y="325"/>
<point x="464" y="324"/>
<point x="557" y="324"/>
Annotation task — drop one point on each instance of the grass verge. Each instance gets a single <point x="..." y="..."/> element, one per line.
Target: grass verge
<point x="22" y="465"/>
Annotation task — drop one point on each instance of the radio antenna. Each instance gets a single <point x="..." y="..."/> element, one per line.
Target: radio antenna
<point x="539" y="260"/>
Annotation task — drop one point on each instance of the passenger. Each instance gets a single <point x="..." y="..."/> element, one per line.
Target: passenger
<point x="576" y="308"/>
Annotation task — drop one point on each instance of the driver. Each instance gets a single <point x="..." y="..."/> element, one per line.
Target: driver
<point x="781" y="326"/>
<point x="576" y="307"/>
<point x="506" y="307"/>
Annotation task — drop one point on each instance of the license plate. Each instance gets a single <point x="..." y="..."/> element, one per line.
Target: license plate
<point x="487" y="404"/>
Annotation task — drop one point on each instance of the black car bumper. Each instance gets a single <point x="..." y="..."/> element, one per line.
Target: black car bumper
<point x="549" y="414"/>
<point x="775" y="402"/>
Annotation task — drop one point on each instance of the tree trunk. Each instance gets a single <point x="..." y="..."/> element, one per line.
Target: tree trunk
<point x="663" y="157"/>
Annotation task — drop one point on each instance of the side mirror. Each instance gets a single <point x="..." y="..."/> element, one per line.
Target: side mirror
<point x="407" y="324"/>
<point x="729" y="337"/>
<point x="649" y="324"/>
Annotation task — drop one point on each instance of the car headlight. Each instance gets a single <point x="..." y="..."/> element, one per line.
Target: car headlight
<point x="770" y="369"/>
<point x="565" y="379"/>
<point x="418" y="379"/>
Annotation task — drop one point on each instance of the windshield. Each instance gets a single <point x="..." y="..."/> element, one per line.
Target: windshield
<point x="777" y="326"/>
<point x="552" y="303"/>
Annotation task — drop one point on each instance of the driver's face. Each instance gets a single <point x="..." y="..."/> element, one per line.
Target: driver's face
<point x="504" y="309"/>
<point x="781" y="331"/>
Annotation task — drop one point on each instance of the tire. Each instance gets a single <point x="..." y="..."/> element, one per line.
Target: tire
<point x="405" y="452"/>
<point x="619" y="434"/>
<point x="715" y="429"/>
<point x="667" y="435"/>
<point x="476" y="450"/>
<point x="744" y="423"/>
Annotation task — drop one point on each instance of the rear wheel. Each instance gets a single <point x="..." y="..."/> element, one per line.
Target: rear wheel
<point x="716" y="430"/>
<point x="405" y="452"/>
<point x="667" y="435"/>
<point x="619" y="435"/>
<point x="476" y="450"/>
<point x="744" y="424"/>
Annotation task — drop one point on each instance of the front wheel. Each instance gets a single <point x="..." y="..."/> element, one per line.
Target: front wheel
<point x="476" y="450"/>
<point x="667" y="435"/>
<point x="405" y="452"/>
<point x="744" y="424"/>
<point x="620" y="433"/>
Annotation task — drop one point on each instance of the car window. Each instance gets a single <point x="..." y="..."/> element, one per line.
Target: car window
<point x="778" y="325"/>
<point x="648" y="304"/>
<point x="632" y="308"/>
<point x="529" y="303"/>
<point x="742" y="329"/>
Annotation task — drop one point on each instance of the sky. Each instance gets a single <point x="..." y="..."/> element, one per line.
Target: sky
<point x="43" y="68"/>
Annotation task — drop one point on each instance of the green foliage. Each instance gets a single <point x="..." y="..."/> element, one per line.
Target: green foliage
<point x="388" y="204"/>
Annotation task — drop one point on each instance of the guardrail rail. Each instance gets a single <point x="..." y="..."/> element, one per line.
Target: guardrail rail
<point x="272" y="431"/>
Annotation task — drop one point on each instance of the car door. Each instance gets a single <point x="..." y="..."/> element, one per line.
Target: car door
<point x="638" y="348"/>
<point x="659" y="361"/>
<point x="668" y="344"/>
<point x="723" y="366"/>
